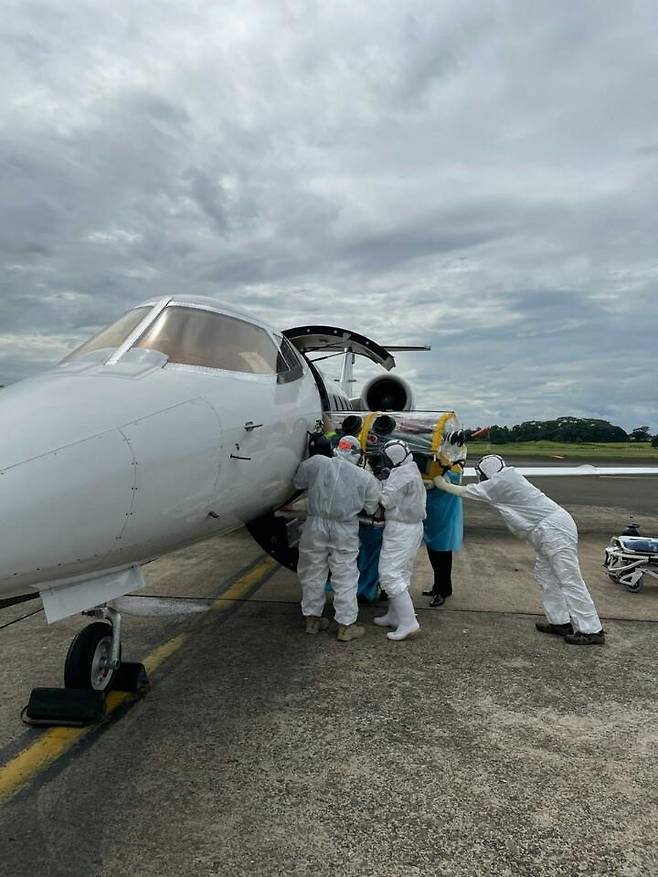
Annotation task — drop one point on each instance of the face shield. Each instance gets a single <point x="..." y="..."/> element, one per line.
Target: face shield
<point x="451" y="451"/>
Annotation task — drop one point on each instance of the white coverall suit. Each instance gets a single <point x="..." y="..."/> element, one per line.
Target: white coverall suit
<point x="551" y="530"/>
<point x="403" y="498"/>
<point x="337" y="491"/>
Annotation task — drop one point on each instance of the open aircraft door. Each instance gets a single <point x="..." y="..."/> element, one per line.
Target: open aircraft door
<point x="332" y="340"/>
<point x="335" y="340"/>
<point x="384" y="392"/>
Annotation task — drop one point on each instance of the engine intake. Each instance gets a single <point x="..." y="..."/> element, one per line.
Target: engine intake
<point x="386" y="393"/>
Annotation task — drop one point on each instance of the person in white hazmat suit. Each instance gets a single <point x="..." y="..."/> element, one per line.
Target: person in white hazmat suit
<point x="550" y="529"/>
<point x="338" y="489"/>
<point x="403" y="499"/>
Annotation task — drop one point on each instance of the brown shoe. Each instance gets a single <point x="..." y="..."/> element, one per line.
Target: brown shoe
<point x="347" y="632"/>
<point x="316" y="623"/>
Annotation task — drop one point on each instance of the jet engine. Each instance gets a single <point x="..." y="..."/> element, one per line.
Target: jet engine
<point x="386" y="393"/>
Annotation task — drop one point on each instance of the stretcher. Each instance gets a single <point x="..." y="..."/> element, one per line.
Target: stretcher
<point x="628" y="559"/>
<point x="435" y="438"/>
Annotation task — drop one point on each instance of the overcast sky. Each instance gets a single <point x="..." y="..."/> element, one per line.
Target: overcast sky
<point x="481" y="177"/>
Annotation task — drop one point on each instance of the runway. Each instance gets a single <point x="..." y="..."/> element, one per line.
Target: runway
<point x="480" y="747"/>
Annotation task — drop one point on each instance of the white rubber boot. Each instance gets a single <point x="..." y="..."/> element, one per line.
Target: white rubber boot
<point x="407" y="621"/>
<point x="388" y="620"/>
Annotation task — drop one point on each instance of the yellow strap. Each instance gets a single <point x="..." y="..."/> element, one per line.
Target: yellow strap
<point x="365" y="429"/>
<point x="437" y="436"/>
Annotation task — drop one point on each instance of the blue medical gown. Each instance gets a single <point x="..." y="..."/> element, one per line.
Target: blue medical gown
<point x="444" y="524"/>
<point x="370" y="539"/>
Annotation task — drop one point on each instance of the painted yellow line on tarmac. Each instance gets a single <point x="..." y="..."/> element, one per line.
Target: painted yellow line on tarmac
<point x="55" y="742"/>
<point x="28" y="763"/>
<point x="166" y="650"/>
<point x="237" y="590"/>
<point x="48" y="748"/>
<point x="221" y="604"/>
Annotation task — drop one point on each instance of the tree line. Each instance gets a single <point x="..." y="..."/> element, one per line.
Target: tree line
<point x="569" y="429"/>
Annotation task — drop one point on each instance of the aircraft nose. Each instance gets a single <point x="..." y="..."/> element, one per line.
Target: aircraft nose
<point x="42" y="508"/>
<point x="90" y="481"/>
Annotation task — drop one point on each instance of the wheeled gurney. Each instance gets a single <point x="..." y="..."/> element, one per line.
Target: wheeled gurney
<point x="628" y="559"/>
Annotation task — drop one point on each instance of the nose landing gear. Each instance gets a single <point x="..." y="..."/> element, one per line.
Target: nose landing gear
<point x="93" y="666"/>
<point x="94" y="656"/>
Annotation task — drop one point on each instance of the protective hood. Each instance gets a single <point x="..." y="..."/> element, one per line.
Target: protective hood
<point x="348" y="448"/>
<point x="397" y="452"/>
<point x="490" y="465"/>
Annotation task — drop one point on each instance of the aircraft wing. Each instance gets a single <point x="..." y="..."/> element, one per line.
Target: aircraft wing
<point x="567" y="471"/>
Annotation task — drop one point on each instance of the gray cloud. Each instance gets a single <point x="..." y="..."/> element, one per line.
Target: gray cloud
<point x="482" y="178"/>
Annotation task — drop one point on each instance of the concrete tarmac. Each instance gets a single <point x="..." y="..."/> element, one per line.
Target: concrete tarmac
<point x="480" y="747"/>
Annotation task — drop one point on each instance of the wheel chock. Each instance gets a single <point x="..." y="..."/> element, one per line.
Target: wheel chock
<point x="131" y="676"/>
<point x="68" y="707"/>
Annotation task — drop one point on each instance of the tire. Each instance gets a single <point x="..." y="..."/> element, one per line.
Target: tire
<point x="81" y="669"/>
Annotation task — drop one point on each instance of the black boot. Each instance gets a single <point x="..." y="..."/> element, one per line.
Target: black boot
<point x="557" y="629"/>
<point x="585" y="639"/>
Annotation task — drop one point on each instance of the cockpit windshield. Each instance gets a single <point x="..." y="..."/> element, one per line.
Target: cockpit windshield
<point x="112" y="336"/>
<point x="193" y="336"/>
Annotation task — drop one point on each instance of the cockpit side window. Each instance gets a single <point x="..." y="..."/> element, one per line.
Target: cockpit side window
<point x="191" y="336"/>
<point x="289" y="367"/>
<point x="112" y="336"/>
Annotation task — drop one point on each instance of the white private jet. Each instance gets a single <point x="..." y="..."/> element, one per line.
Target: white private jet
<point x="183" y="419"/>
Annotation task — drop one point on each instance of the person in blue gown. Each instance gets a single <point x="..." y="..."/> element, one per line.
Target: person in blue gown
<point x="444" y="533"/>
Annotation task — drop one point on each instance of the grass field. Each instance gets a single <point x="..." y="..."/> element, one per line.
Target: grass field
<point x="556" y="450"/>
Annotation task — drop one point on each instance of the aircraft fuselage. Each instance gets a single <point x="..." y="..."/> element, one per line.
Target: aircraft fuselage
<point x="106" y="465"/>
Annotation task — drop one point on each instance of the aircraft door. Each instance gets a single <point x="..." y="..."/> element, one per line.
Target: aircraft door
<point x="267" y="436"/>
<point x="250" y="424"/>
<point x="334" y="339"/>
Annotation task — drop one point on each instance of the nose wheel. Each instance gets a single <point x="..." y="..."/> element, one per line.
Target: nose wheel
<point x="94" y="655"/>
